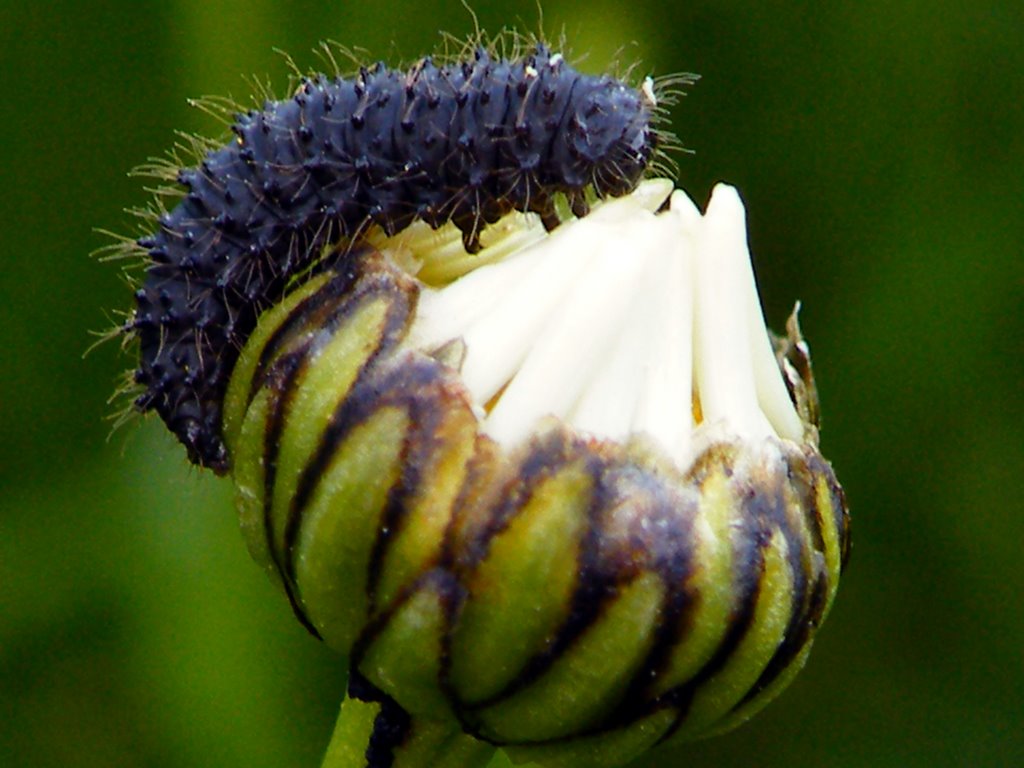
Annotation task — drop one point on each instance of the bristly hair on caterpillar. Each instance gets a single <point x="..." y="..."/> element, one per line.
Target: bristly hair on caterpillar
<point x="487" y="126"/>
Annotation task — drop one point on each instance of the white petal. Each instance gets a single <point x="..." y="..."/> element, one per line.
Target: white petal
<point x="576" y="342"/>
<point x="723" y="365"/>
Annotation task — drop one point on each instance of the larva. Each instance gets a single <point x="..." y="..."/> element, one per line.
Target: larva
<point x="464" y="142"/>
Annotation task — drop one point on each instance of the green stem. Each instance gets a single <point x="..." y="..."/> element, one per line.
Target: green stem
<point x="425" y="744"/>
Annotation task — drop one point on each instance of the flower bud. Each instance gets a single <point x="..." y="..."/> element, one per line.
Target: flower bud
<point x="562" y="497"/>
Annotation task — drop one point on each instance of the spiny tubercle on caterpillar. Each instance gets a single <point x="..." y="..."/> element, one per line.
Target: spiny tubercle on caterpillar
<point x="465" y="143"/>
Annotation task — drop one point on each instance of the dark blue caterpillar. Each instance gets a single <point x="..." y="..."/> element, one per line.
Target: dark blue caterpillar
<point x="464" y="143"/>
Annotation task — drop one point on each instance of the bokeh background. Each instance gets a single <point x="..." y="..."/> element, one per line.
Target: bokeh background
<point x="880" y="148"/>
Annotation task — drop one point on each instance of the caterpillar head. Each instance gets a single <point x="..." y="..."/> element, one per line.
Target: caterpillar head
<point x="610" y="138"/>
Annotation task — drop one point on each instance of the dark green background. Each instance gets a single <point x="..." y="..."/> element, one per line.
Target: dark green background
<point x="879" y="146"/>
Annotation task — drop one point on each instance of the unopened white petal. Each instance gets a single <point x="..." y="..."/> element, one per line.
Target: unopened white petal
<point x="664" y="398"/>
<point x="723" y="365"/>
<point x="577" y="340"/>
<point x="616" y="323"/>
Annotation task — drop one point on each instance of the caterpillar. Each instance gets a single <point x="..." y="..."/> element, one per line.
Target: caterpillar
<point x="464" y="142"/>
<point x="504" y="420"/>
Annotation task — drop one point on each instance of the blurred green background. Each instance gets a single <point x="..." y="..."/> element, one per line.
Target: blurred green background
<point x="879" y="146"/>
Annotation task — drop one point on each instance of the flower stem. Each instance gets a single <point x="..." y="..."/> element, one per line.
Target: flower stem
<point x="362" y="740"/>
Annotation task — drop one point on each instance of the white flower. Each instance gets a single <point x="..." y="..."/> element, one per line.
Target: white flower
<point x="628" y="322"/>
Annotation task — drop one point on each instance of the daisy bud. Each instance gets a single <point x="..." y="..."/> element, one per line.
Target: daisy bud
<point x="561" y="497"/>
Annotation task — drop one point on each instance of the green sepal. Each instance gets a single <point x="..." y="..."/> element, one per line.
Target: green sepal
<point x="428" y="510"/>
<point x="723" y="691"/>
<point x="405" y="658"/>
<point x="519" y="595"/>
<point x="586" y="681"/>
<point x="341" y="524"/>
<point x="236" y="400"/>
<point x="325" y="383"/>
<point x="606" y="750"/>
